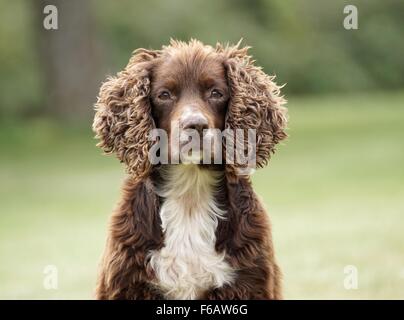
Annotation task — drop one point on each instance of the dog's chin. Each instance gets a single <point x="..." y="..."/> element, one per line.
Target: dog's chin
<point x="195" y="157"/>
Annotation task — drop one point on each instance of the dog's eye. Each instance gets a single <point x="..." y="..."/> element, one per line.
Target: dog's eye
<point x="216" y="94"/>
<point x="165" y="95"/>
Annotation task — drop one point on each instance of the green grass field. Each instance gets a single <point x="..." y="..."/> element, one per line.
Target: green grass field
<point x="334" y="191"/>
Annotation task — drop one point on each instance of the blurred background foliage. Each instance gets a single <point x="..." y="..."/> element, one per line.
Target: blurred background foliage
<point x="334" y="190"/>
<point x="303" y="42"/>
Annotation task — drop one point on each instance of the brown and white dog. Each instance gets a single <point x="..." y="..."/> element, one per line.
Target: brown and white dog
<point x="188" y="231"/>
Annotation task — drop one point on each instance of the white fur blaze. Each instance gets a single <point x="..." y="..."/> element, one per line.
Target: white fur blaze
<point x="188" y="264"/>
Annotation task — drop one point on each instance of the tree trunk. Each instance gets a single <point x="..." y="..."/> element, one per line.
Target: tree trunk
<point x="69" y="59"/>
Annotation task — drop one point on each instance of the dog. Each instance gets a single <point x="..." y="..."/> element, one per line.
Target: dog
<point x="189" y="230"/>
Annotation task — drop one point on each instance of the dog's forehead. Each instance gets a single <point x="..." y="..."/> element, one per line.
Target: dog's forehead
<point x="192" y="65"/>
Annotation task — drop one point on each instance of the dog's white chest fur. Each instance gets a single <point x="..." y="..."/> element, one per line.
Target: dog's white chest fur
<point x="188" y="263"/>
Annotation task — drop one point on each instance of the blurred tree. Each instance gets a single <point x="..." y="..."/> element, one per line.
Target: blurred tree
<point x="68" y="58"/>
<point x="58" y="72"/>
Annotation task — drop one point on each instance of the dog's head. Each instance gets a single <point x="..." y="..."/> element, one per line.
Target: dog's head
<point x="187" y="86"/>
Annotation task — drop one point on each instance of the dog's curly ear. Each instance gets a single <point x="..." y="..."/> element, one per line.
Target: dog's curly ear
<point x="255" y="102"/>
<point x="123" y="114"/>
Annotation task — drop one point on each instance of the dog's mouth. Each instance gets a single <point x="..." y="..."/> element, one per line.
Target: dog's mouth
<point x="198" y="149"/>
<point x="191" y="151"/>
<point x="213" y="147"/>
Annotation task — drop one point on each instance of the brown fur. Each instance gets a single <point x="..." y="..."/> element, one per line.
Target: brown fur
<point x="126" y="112"/>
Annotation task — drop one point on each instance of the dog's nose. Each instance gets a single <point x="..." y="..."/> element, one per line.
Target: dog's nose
<point x="195" y="121"/>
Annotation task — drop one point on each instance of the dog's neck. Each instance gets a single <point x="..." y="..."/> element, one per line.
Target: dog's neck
<point x="188" y="262"/>
<point x="189" y="182"/>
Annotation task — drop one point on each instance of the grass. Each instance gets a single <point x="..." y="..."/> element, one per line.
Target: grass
<point x="334" y="192"/>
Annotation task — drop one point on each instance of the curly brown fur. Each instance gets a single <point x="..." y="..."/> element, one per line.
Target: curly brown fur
<point x="127" y="109"/>
<point x="134" y="230"/>
<point x="246" y="237"/>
